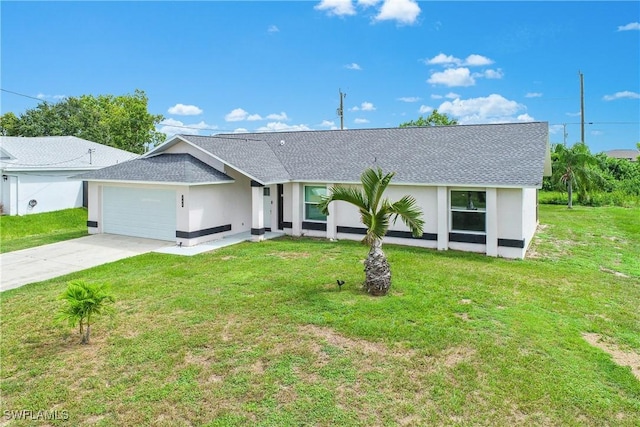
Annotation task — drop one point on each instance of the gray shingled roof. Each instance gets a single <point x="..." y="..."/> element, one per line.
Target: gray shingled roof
<point x="484" y="155"/>
<point x="248" y="153"/>
<point x="58" y="153"/>
<point x="623" y="154"/>
<point x="173" y="168"/>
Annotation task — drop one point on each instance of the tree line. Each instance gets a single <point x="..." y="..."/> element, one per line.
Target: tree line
<point x="122" y="121"/>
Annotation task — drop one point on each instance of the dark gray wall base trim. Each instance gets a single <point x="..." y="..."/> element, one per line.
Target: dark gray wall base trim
<point x="391" y="233"/>
<point x="511" y="243"/>
<point x="286" y="224"/>
<point x="257" y="231"/>
<point x="267" y="229"/>
<point x="205" y="232"/>
<point x="92" y="224"/>
<point x="468" y="238"/>
<point x="314" y="226"/>
<point x="256" y="184"/>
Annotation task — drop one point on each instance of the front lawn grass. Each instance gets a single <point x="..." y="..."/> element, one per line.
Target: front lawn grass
<point x="22" y="232"/>
<point x="259" y="334"/>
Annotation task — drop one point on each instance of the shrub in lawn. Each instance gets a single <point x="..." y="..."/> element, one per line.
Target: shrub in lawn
<point x="83" y="301"/>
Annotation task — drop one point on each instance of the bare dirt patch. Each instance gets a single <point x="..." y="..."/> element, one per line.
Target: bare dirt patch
<point x="289" y="255"/>
<point x="456" y="355"/>
<point x="465" y="301"/>
<point x="228" y="257"/>
<point x="615" y="273"/>
<point x="619" y="356"/>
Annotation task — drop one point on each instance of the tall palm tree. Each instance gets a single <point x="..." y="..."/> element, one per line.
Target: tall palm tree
<point x="376" y="213"/>
<point x="573" y="168"/>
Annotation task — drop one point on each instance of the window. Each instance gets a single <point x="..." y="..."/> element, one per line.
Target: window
<point x="266" y="192"/>
<point x="312" y="196"/>
<point x="468" y="211"/>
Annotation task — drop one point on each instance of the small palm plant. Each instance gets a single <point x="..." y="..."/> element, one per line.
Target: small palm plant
<point x="83" y="302"/>
<point x="376" y="213"/>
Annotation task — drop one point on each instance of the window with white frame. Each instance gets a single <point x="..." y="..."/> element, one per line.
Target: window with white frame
<point x="313" y="194"/>
<point x="468" y="211"/>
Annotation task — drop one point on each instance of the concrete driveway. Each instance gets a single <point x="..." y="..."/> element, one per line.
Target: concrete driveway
<point x="49" y="261"/>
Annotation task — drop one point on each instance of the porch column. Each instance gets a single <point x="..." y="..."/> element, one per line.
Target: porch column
<point x="492" y="222"/>
<point x="296" y="208"/>
<point x="331" y="218"/>
<point x="257" y="211"/>
<point x="443" y="219"/>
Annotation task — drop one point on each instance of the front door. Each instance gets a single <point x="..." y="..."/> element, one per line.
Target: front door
<point x="267" y="208"/>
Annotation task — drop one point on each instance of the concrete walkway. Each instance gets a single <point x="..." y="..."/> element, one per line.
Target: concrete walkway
<point x="46" y="262"/>
<point x="57" y="259"/>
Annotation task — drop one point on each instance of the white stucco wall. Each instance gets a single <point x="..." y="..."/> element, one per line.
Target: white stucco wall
<point x="52" y="191"/>
<point x="529" y="213"/>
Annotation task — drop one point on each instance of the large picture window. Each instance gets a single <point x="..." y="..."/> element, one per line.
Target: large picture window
<point x="468" y="211"/>
<point x="312" y="196"/>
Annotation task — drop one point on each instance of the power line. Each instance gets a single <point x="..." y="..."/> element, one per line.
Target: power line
<point x="22" y="94"/>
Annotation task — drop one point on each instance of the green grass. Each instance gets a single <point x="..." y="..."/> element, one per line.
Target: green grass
<point x="21" y="232"/>
<point x="258" y="334"/>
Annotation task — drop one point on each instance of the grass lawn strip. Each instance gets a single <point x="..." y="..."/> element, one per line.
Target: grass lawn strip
<point x="259" y="334"/>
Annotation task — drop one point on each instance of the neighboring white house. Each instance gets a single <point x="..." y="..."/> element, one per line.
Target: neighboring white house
<point x="631" y="155"/>
<point x="35" y="171"/>
<point x="477" y="185"/>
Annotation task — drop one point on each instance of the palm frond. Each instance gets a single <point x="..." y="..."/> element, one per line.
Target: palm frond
<point x="347" y="194"/>
<point x="408" y="211"/>
<point x="378" y="226"/>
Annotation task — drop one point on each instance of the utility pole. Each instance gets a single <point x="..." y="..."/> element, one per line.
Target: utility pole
<point x="582" y="107"/>
<point x="340" y="110"/>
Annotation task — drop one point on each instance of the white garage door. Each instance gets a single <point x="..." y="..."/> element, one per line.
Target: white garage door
<point x="139" y="212"/>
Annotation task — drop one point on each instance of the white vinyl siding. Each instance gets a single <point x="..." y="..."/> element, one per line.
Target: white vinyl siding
<point x="139" y="212"/>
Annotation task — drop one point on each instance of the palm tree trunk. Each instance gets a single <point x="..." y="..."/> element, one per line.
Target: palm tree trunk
<point x="377" y="271"/>
<point x="570" y="192"/>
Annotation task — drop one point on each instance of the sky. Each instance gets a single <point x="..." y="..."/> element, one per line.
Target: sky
<point x="216" y="67"/>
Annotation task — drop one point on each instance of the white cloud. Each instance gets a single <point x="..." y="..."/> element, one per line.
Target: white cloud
<point x="368" y="3"/>
<point x="240" y="130"/>
<point x="328" y="124"/>
<point x="360" y="121"/>
<point x="452" y="95"/>
<point x="353" y="66"/>
<point x="409" y="98"/>
<point x="424" y="109"/>
<point x="525" y="118"/>
<point x="56" y="97"/>
<point x="533" y="95"/>
<point x="621" y="95"/>
<point x="491" y="109"/>
<point x="275" y="116"/>
<point x="473" y="60"/>
<point x="185" y="110"/>
<point x="493" y="74"/>
<point x="442" y="59"/>
<point x="254" y="117"/>
<point x="629" y="27"/>
<point x="434" y="96"/>
<point x="452" y="77"/>
<point x="236" y="115"/>
<point x="573" y="114"/>
<point x="281" y="127"/>
<point x="596" y="132"/>
<point x="173" y="127"/>
<point x="367" y="106"/>
<point x="273" y="29"/>
<point x="403" y="11"/>
<point x="553" y="129"/>
<point x="336" y="7"/>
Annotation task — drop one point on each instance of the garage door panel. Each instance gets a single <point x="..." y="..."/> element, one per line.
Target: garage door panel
<point x="139" y="212"/>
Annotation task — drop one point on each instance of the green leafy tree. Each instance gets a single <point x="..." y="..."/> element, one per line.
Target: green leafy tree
<point x="83" y="301"/>
<point x="118" y="121"/>
<point x="434" y="119"/>
<point x="575" y="168"/>
<point x="376" y="213"/>
<point x="8" y="124"/>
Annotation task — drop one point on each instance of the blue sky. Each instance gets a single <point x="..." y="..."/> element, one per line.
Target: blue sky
<point x="212" y="67"/>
